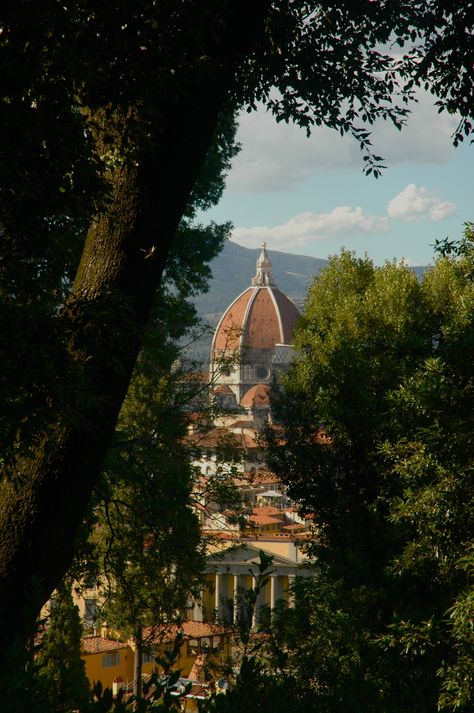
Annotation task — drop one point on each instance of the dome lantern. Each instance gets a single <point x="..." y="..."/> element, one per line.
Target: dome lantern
<point x="264" y="270"/>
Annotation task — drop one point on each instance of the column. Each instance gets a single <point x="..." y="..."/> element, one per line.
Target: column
<point x="254" y="617"/>
<point x="291" y="596"/>
<point x="273" y="591"/>
<point x="236" y="598"/>
<point x="197" y="609"/>
<point x="217" y="595"/>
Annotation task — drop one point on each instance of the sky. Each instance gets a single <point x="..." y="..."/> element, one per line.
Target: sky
<point x="311" y="197"/>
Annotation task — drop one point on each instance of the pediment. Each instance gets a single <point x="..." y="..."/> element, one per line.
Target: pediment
<point x="245" y="555"/>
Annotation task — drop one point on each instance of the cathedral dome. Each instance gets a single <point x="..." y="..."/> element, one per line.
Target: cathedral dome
<point x="261" y="317"/>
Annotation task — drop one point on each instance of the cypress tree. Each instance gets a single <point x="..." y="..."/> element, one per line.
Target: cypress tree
<point x="59" y="659"/>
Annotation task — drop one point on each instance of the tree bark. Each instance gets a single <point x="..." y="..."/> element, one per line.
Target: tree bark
<point x="138" y="669"/>
<point x="125" y="253"/>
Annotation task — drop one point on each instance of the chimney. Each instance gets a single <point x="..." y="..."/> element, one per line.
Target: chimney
<point x="117" y="685"/>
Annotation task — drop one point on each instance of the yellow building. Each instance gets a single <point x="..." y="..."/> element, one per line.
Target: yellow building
<point x="107" y="660"/>
<point x="203" y="653"/>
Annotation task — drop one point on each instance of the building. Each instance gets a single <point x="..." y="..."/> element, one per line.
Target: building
<point x="252" y="342"/>
<point x="252" y="345"/>
<point x="203" y="652"/>
<point x="233" y="570"/>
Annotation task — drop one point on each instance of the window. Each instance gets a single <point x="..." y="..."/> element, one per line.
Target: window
<point x="193" y="646"/>
<point x="205" y="645"/>
<point x="110" y="660"/>
<point x="90" y="610"/>
<point x="262" y="372"/>
<point x="148" y="658"/>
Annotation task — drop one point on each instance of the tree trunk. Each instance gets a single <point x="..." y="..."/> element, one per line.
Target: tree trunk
<point x="121" y="267"/>
<point x="137" y="669"/>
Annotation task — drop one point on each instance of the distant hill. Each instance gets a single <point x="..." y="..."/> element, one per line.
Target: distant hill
<point x="232" y="273"/>
<point x="233" y="269"/>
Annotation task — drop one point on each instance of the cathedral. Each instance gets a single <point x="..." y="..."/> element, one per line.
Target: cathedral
<point x="252" y="342"/>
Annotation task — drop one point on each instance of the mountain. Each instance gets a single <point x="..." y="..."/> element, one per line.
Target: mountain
<point x="233" y="269"/>
<point x="232" y="272"/>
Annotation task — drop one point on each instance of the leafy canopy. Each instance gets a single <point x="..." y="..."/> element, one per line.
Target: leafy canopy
<point x="376" y="419"/>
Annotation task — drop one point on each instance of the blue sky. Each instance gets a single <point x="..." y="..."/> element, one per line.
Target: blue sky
<point x="309" y="196"/>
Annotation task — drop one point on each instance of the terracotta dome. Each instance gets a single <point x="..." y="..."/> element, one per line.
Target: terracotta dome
<point x="258" y="395"/>
<point x="260" y="317"/>
<point x="223" y="389"/>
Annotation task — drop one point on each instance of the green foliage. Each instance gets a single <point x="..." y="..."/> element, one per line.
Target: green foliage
<point x="69" y="65"/>
<point x="92" y="93"/>
<point x="146" y="548"/>
<point x="377" y="426"/>
<point x="63" y="684"/>
<point x="257" y="681"/>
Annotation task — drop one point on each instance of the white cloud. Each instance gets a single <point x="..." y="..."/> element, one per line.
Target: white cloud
<point x="425" y="139"/>
<point x="278" y="156"/>
<point x="416" y="203"/>
<point x="306" y="228"/>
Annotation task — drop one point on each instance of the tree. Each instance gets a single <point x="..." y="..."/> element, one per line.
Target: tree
<point x="142" y="538"/>
<point x="61" y="669"/>
<point x="150" y="549"/>
<point x="109" y="112"/>
<point x="376" y="418"/>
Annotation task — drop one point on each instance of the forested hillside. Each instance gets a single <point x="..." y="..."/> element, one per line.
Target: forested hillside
<point x="234" y="267"/>
<point x="232" y="271"/>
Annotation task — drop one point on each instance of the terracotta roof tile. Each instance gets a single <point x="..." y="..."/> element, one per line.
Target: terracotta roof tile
<point x="258" y="395"/>
<point x="259" y="318"/>
<point x="267" y="510"/>
<point x="198" y="665"/>
<point x="97" y="644"/>
<point x="262" y="327"/>
<point x="229" y="330"/>
<point x="264" y="520"/>
<point x="289" y="315"/>
<point x="190" y="630"/>
<point x="223" y="389"/>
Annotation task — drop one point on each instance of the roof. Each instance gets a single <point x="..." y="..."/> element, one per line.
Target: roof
<point x="240" y="424"/>
<point x="212" y="438"/>
<point x="267" y="510"/>
<point x="258" y="395"/>
<point x="238" y="437"/>
<point x="264" y="520"/>
<point x="261" y="317"/>
<point x="223" y="389"/>
<point x="279" y="536"/>
<point x="189" y="629"/>
<point x="247" y="552"/>
<point x="199" y="629"/>
<point x="262" y="476"/>
<point x="97" y="644"/>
